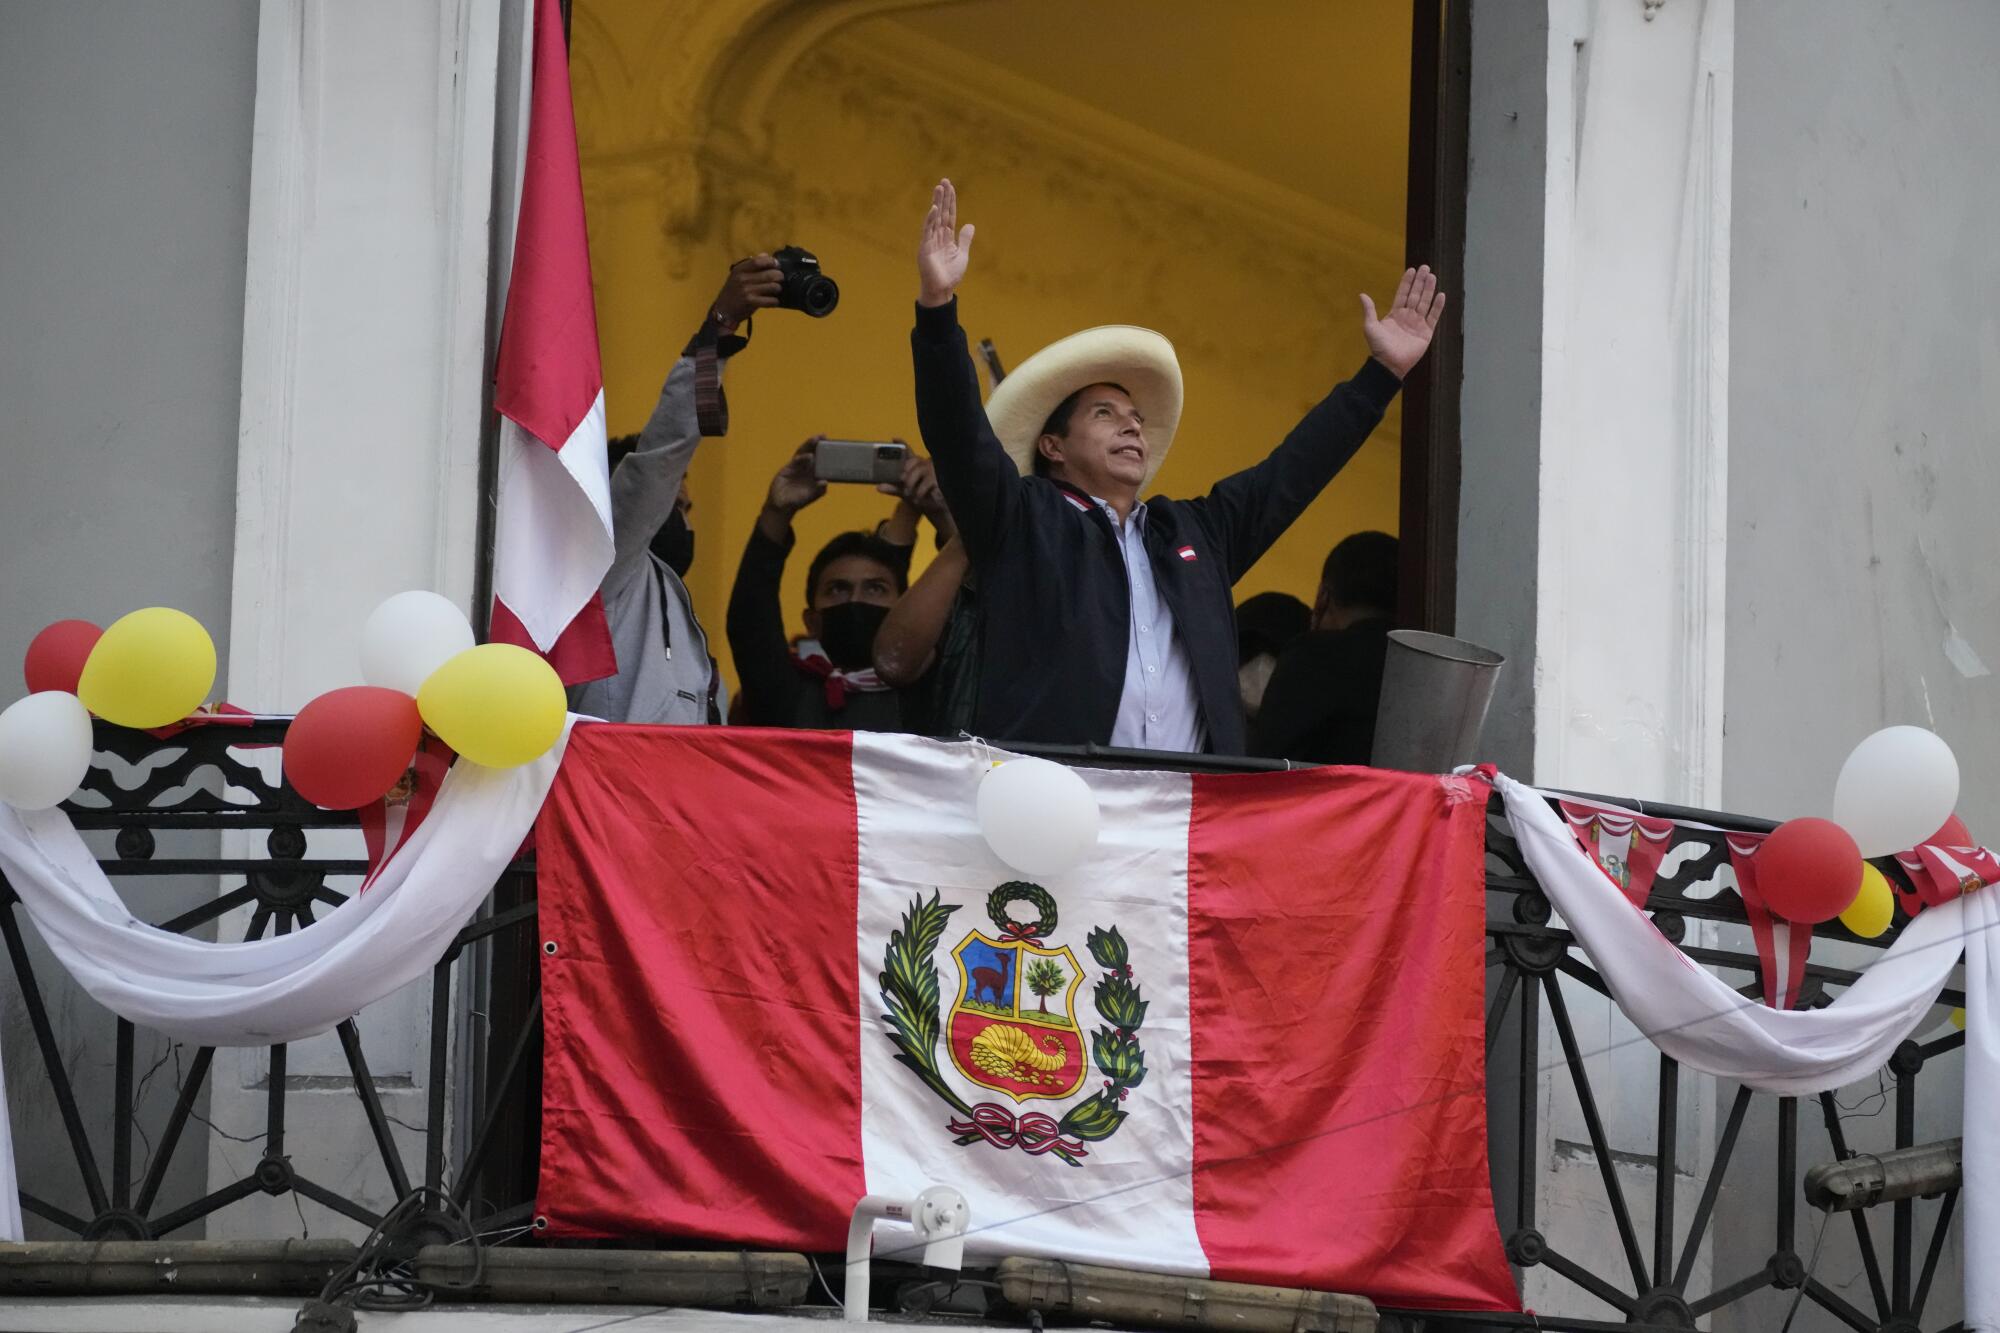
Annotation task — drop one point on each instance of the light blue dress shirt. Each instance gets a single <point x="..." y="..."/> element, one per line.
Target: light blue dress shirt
<point x="1158" y="708"/>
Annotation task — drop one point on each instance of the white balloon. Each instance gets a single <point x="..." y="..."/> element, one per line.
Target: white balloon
<point x="1038" y="817"/>
<point x="408" y="637"/>
<point x="1896" y="789"/>
<point x="44" y="749"/>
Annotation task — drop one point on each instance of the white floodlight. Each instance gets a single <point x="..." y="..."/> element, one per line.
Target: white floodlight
<point x="938" y="1215"/>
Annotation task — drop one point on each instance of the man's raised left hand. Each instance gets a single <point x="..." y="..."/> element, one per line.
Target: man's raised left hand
<point x="1400" y="338"/>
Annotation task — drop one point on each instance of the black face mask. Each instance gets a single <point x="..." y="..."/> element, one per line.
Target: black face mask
<point x="847" y="633"/>
<point x="674" y="544"/>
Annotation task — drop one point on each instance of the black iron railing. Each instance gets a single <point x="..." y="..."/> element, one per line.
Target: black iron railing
<point x="1527" y="956"/>
<point x="492" y="1173"/>
<point x="204" y="779"/>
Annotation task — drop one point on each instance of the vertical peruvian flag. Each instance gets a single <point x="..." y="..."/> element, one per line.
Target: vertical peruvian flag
<point x="553" y="541"/>
<point x="1243" y="1039"/>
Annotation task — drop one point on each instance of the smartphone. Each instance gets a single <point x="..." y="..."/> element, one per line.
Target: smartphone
<point x="869" y="461"/>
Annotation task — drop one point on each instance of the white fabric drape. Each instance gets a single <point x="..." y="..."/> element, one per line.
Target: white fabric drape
<point x="1691" y="1015"/>
<point x="285" y="987"/>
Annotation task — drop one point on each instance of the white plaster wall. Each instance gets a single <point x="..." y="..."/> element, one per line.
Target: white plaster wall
<point x="1866" y="413"/>
<point x="124" y="183"/>
<point x="1595" y="446"/>
<point x="364" y="353"/>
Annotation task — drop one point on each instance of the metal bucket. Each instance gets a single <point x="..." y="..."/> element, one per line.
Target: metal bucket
<point x="1435" y="691"/>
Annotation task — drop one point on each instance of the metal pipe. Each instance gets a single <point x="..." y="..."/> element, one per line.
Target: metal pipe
<point x="725" y="1279"/>
<point x="1118" y="1297"/>
<point x="276" y="1267"/>
<point x="1867" y="1179"/>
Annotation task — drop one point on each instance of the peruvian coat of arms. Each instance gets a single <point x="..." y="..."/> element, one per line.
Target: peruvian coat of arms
<point x="1012" y="1028"/>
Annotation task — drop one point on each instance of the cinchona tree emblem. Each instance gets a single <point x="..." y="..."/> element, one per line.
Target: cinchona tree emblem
<point x="1012" y="1026"/>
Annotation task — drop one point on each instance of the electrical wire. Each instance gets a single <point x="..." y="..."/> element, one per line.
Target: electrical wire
<point x="380" y="1277"/>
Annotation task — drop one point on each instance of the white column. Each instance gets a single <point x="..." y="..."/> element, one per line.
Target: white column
<point x="1593" y="516"/>
<point x="364" y="385"/>
<point x="1635" y="393"/>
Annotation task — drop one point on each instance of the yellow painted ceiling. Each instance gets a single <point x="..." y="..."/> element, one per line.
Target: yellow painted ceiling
<point x="1333" y="75"/>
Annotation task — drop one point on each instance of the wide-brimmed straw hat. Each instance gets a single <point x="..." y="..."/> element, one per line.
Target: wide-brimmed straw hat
<point x="1138" y="360"/>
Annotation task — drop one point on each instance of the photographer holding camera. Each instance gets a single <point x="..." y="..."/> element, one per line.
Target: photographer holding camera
<point x="826" y="681"/>
<point x="665" y="673"/>
<point x="1044" y="481"/>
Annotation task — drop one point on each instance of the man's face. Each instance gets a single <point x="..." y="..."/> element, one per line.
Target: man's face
<point x="1105" y="442"/>
<point x="852" y="578"/>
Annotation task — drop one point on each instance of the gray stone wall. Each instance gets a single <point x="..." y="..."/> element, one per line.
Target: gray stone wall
<point x="125" y="148"/>
<point x="1864" y="415"/>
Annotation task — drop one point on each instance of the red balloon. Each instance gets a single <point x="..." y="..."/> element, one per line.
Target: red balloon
<point x="56" y="657"/>
<point x="1953" y="834"/>
<point x="349" y="747"/>
<point x="1809" y="870"/>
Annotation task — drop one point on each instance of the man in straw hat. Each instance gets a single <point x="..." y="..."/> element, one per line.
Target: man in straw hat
<point x="1104" y="619"/>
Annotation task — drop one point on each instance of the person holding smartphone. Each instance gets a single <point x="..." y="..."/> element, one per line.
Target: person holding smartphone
<point x="826" y="680"/>
<point x="1104" y="619"/>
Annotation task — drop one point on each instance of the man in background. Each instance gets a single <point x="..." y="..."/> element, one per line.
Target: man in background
<point x="1320" y="704"/>
<point x="1265" y="626"/>
<point x="827" y="680"/>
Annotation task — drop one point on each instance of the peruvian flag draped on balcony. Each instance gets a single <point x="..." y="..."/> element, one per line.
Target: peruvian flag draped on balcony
<point x="553" y="541"/>
<point x="1244" y="1038"/>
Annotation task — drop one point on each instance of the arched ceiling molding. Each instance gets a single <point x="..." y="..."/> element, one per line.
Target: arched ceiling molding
<point x="711" y="73"/>
<point x="962" y="87"/>
<point x="708" y="72"/>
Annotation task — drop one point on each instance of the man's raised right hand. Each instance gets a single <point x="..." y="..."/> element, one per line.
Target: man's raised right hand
<point x="943" y="250"/>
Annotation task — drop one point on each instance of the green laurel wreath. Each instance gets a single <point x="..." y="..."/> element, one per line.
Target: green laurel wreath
<point x="1020" y="891"/>
<point x="910" y="994"/>
<point x="1115" y="1045"/>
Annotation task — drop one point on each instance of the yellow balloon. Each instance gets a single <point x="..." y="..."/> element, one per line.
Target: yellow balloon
<point x="496" y="704"/>
<point x="1873" y="908"/>
<point x="150" y="668"/>
<point x="1958" y="1019"/>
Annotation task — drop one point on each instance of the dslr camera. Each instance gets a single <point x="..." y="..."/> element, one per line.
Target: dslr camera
<point x="804" y="286"/>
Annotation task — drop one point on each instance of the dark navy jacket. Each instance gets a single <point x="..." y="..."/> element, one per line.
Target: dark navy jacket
<point x="1055" y="609"/>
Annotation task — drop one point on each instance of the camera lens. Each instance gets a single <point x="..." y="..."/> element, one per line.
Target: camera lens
<point x="820" y="296"/>
<point x="886" y="451"/>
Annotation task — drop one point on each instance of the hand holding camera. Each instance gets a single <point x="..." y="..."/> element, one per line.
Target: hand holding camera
<point x="788" y="280"/>
<point x="753" y="284"/>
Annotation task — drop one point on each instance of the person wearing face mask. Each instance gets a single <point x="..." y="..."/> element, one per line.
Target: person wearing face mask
<point x="826" y="680"/>
<point x="665" y="673"/>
